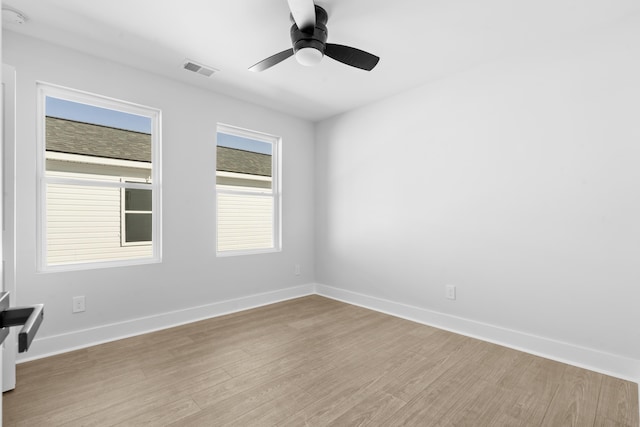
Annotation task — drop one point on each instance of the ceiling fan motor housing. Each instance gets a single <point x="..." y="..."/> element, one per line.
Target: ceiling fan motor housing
<point x="315" y="37"/>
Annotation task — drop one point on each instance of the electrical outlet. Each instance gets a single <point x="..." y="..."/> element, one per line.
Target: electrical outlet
<point x="296" y="269"/>
<point x="78" y="304"/>
<point x="450" y="291"/>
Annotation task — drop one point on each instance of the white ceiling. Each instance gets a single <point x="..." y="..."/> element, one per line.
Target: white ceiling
<point x="418" y="41"/>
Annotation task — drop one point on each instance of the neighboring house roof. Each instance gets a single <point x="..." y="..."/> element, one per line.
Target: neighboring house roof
<point x="241" y="161"/>
<point x="68" y="136"/>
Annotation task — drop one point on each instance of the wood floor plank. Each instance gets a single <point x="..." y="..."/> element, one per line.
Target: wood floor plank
<point x="312" y="361"/>
<point x="32" y="408"/>
<point x="339" y="390"/>
<point x="101" y="404"/>
<point x="541" y="377"/>
<point x="275" y="411"/>
<point x="284" y="369"/>
<point x="162" y="416"/>
<point x="242" y="403"/>
<point x="440" y="399"/>
<point x="370" y="411"/>
<point x="144" y="409"/>
<point x="436" y="364"/>
<point x="520" y="408"/>
<point x="182" y="365"/>
<point x="615" y="401"/>
<point x="576" y="399"/>
<point x="605" y="422"/>
<point x="480" y="411"/>
<point x="323" y="410"/>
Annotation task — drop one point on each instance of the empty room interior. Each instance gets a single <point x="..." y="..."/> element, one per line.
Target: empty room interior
<point x="281" y="212"/>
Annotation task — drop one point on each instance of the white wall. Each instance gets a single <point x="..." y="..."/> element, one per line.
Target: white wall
<point x="1" y="214"/>
<point x="517" y="181"/>
<point x="186" y="279"/>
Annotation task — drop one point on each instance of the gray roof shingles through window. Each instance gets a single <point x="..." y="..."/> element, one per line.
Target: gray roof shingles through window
<point x="72" y="137"/>
<point x="241" y="161"/>
<point x="67" y="136"/>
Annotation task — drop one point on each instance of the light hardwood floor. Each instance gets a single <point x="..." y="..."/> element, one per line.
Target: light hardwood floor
<point x="312" y="362"/>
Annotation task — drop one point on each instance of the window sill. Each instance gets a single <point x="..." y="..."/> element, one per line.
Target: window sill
<point x="225" y="254"/>
<point x="94" y="265"/>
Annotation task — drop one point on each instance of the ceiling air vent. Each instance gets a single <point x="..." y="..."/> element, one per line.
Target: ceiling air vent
<point x="198" y="68"/>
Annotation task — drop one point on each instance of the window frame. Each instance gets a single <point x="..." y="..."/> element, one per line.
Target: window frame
<point x="124" y="212"/>
<point x="45" y="90"/>
<point x="275" y="193"/>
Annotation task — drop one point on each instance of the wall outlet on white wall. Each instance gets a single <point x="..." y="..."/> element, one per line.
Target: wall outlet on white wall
<point x="296" y="269"/>
<point x="450" y="291"/>
<point x="78" y="304"/>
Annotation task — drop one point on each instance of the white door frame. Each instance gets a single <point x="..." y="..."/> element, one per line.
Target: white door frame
<point x="8" y="217"/>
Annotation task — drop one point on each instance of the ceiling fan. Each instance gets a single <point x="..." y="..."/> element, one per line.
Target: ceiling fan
<point x="309" y="36"/>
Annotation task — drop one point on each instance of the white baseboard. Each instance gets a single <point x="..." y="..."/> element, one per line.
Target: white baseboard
<point x="583" y="357"/>
<point x="588" y="358"/>
<point x="49" y="346"/>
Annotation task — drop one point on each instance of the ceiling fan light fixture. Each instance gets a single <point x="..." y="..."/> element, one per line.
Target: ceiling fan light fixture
<point x="309" y="56"/>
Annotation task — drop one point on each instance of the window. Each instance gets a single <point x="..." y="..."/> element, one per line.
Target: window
<point x="136" y="217"/>
<point x="248" y="192"/>
<point x="98" y="175"/>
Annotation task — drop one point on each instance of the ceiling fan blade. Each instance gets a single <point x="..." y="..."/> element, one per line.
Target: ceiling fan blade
<point x="304" y="14"/>
<point x="351" y="56"/>
<point x="272" y="60"/>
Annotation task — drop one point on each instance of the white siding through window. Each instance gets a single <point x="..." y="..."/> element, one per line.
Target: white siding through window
<point x="84" y="222"/>
<point x="245" y="221"/>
